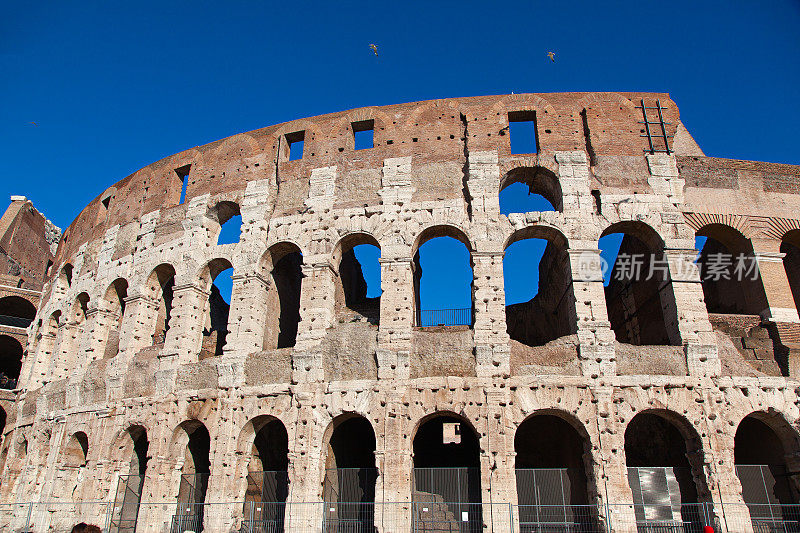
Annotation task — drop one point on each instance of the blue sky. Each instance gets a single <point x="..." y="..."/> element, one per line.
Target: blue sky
<point x="113" y="87"/>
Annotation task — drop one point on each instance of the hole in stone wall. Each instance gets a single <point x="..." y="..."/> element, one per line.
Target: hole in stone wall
<point x="10" y="362"/>
<point x="358" y="288"/>
<point x="663" y="466"/>
<point x="639" y="296"/>
<point x="363" y="134"/>
<point x="522" y="132"/>
<point x="284" y="265"/>
<point x="447" y="471"/>
<point x="350" y="473"/>
<point x="540" y="304"/>
<point x="295" y="142"/>
<point x="530" y="189"/>
<point x="230" y="220"/>
<point x="550" y="473"/>
<point x="267" y="476"/>
<point x="183" y="179"/>
<point x="760" y="460"/>
<point x="443" y="279"/>
<point x="215" y="326"/>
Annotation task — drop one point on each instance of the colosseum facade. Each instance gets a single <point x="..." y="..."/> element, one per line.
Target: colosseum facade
<point x="147" y="403"/>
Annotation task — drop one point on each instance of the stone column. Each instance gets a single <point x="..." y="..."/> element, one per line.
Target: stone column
<point x="595" y="336"/>
<point x="697" y="336"/>
<point x="316" y="316"/>
<point x="616" y="498"/>
<point x="493" y="355"/>
<point x="397" y="316"/>
<point x="248" y="312"/>
<point x="136" y="333"/>
<point x="185" y="335"/>
<point x="396" y="464"/>
<point x="305" y="469"/>
<point x="501" y="453"/>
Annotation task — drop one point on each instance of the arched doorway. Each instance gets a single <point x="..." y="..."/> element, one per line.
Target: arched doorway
<point x="446" y="485"/>
<point x="194" y="476"/>
<point x="551" y="475"/>
<point x="133" y="447"/>
<point x="10" y="362"/>
<point x="769" y="487"/>
<point x="350" y="475"/>
<point x="663" y="454"/>
<point x="267" y="476"/>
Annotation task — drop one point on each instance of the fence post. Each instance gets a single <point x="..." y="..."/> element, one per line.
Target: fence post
<point x="28" y="526"/>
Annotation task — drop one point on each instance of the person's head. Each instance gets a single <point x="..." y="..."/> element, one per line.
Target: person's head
<point x="83" y="527"/>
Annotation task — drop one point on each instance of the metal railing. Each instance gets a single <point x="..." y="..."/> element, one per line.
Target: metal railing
<point x="15" y="321"/>
<point x="445" y="317"/>
<point x="397" y="517"/>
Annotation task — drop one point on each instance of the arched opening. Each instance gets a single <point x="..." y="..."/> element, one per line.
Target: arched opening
<point x="358" y="286"/>
<point x="530" y="189"/>
<point x="160" y="285"/>
<point x="639" y="295"/>
<point x="134" y="446"/>
<point x="790" y="247"/>
<point x="16" y="311"/>
<point x="446" y="482"/>
<point x="217" y="278"/>
<point x="114" y="303"/>
<point x="729" y="272"/>
<point x="443" y="278"/>
<point x="267" y="476"/>
<point x="229" y="217"/>
<point x="65" y="276"/>
<point x="283" y="262"/>
<point x="76" y="450"/>
<point x="72" y="333"/>
<point x="665" y="470"/>
<point x="194" y="477"/>
<point x="551" y="475"/>
<point x="769" y="486"/>
<point x="10" y="362"/>
<point x="537" y="277"/>
<point x="350" y="475"/>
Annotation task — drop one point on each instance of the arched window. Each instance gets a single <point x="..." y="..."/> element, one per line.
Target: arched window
<point x="447" y="474"/>
<point x="664" y="457"/>
<point x="114" y="307"/>
<point x="729" y="272"/>
<point x="159" y="286"/>
<point x="217" y="278"/>
<point x="10" y="361"/>
<point x="769" y="486"/>
<point x="16" y="311"/>
<point x="77" y="450"/>
<point x="229" y="217"/>
<point x="443" y="278"/>
<point x="639" y="296"/>
<point x="350" y="474"/>
<point x="530" y="189"/>
<point x="283" y="263"/>
<point x="537" y="277"/>
<point x="790" y="246"/>
<point x="550" y="463"/>
<point x="267" y="476"/>
<point x="358" y="287"/>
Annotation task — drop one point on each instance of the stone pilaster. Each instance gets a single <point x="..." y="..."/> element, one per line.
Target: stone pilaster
<point x="491" y="338"/>
<point x="397" y="315"/>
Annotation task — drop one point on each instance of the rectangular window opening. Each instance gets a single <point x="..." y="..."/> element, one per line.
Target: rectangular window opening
<point x="364" y="134"/>
<point x="295" y="142"/>
<point x="522" y="131"/>
<point x="183" y="176"/>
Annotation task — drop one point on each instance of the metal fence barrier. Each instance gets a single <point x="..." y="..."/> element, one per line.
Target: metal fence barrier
<point x="445" y="317"/>
<point x="417" y="517"/>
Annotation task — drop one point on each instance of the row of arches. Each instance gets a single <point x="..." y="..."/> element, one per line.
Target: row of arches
<point x="540" y="300"/>
<point x="553" y="462"/>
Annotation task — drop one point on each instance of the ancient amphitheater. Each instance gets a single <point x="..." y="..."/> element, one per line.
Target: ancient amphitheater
<point x="655" y="403"/>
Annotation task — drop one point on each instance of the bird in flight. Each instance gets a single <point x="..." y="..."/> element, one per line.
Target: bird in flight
<point x="35" y="124"/>
<point x="552" y="56"/>
<point x="374" y="48"/>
